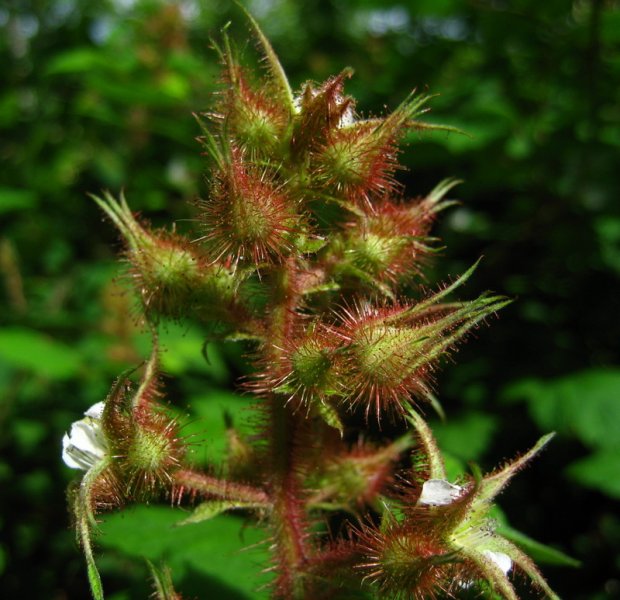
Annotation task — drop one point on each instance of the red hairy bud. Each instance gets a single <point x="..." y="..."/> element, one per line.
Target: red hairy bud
<point x="257" y="122"/>
<point x="144" y="441"/>
<point x="247" y="216"/>
<point x="305" y="369"/>
<point x="320" y="111"/>
<point x="387" y="243"/>
<point x="355" y="478"/>
<point x="390" y="352"/>
<point x="170" y="275"/>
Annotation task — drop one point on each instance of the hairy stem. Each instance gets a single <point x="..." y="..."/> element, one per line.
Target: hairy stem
<point x="220" y="488"/>
<point x="288" y="517"/>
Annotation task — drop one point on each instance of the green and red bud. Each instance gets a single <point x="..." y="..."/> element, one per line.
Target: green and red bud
<point x="170" y="275"/>
<point x="357" y="163"/>
<point x="257" y="116"/>
<point x="357" y="478"/>
<point x="247" y="217"/>
<point x="251" y="115"/>
<point x="143" y="440"/>
<point x="320" y="111"/>
<point x="386" y="244"/>
<point x="390" y="353"/>
<point x="304" y="370"/>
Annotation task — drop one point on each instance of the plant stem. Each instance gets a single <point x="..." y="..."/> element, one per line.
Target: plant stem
<point x="221" y="488"/>
<point x="289" y="521"/>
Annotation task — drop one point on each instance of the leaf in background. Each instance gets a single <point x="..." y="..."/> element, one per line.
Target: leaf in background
<point x="228" y="556"/>
<point x="539" y="552"/>
<point x="600" y="470"/>
<point x="78" y="60"/>
<point x="608" y="232"/>
<point x="33" y="351"/>
<point x="182" y="351"/>
<point x="455" y="467"/>
<point x="207" y="423"/>
<point x="16" y="199"/>
<point x="466" y="438"/>
<point x="585" y="404"/>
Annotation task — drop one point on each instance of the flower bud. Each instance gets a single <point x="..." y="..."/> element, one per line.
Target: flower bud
<point x="321" y="110"/>
<point x="357" y="477"/>
<point x="357" y="162"/>
<point x="305" y="368"/>
<point x="390" y="352"/>
<point x="250" y="115"/>
<point x="247" y="217"/>
<point x="170" y="276"/>
<point x="143" y="440"/>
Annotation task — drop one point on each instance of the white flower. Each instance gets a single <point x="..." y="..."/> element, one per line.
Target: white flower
<point x="439" y="492"/>
<point x="85" y="445"/>
<point x="503" y="561"/>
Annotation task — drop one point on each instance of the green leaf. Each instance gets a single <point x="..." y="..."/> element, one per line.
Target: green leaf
<point x="33" y="351"/>
<point x="212" y="508"/>
<point x="208" y="424"/>
<point x="466" y="438"/>
<point x="182" y="351"/>
<point x="585" y="405"/>
<point x="213" y="548"/>
<point x="15" y="199"/>
<point x="608" y="233"/>
<point x="600" y="471"/>
<point x="80" y="60"/>
<point x="541" y="553"/>
<point x="536" y="550"/>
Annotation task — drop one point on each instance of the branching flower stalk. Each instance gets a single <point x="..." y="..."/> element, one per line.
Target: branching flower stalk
<point x="307" y="252"/>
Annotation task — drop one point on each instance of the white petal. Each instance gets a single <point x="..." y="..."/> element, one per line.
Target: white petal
<point x="503" y="561"/>
<point x="67" y="454"/>
<point x="439" y="492"/>
<point x="85" y="444"/>
<point x="347" y="119"/>
<point x="96" y="410"/>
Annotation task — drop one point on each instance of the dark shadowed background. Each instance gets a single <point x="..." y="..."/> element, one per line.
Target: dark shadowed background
<point x="99" y="95"/>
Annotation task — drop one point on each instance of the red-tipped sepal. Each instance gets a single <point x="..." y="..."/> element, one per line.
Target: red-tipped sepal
<point x="171" y="277"/>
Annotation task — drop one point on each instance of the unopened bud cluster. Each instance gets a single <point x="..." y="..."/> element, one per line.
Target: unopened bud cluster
<point x="305" y="246"/>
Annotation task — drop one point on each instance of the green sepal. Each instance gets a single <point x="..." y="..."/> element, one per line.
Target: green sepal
<point x="282" y="86"/>
<point x="162" y="578"/>
<point x="521" y="560"/>
<point x="493" y="484"/>
<point x="441" y="189"/>
<point x="437" y="469"/>
<point x="330" y="415"/>
<point x="491" y="573"/>
<point x="212" y="508"/>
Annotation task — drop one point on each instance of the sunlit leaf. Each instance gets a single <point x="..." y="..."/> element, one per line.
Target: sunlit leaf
<point x="36" y="352"/>
<point x="600" y="471"/>
<point x="224" y="552"/>
<point x="584" y="404"/>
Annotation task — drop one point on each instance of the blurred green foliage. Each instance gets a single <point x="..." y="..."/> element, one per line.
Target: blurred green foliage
<point x="100" y="96"/>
